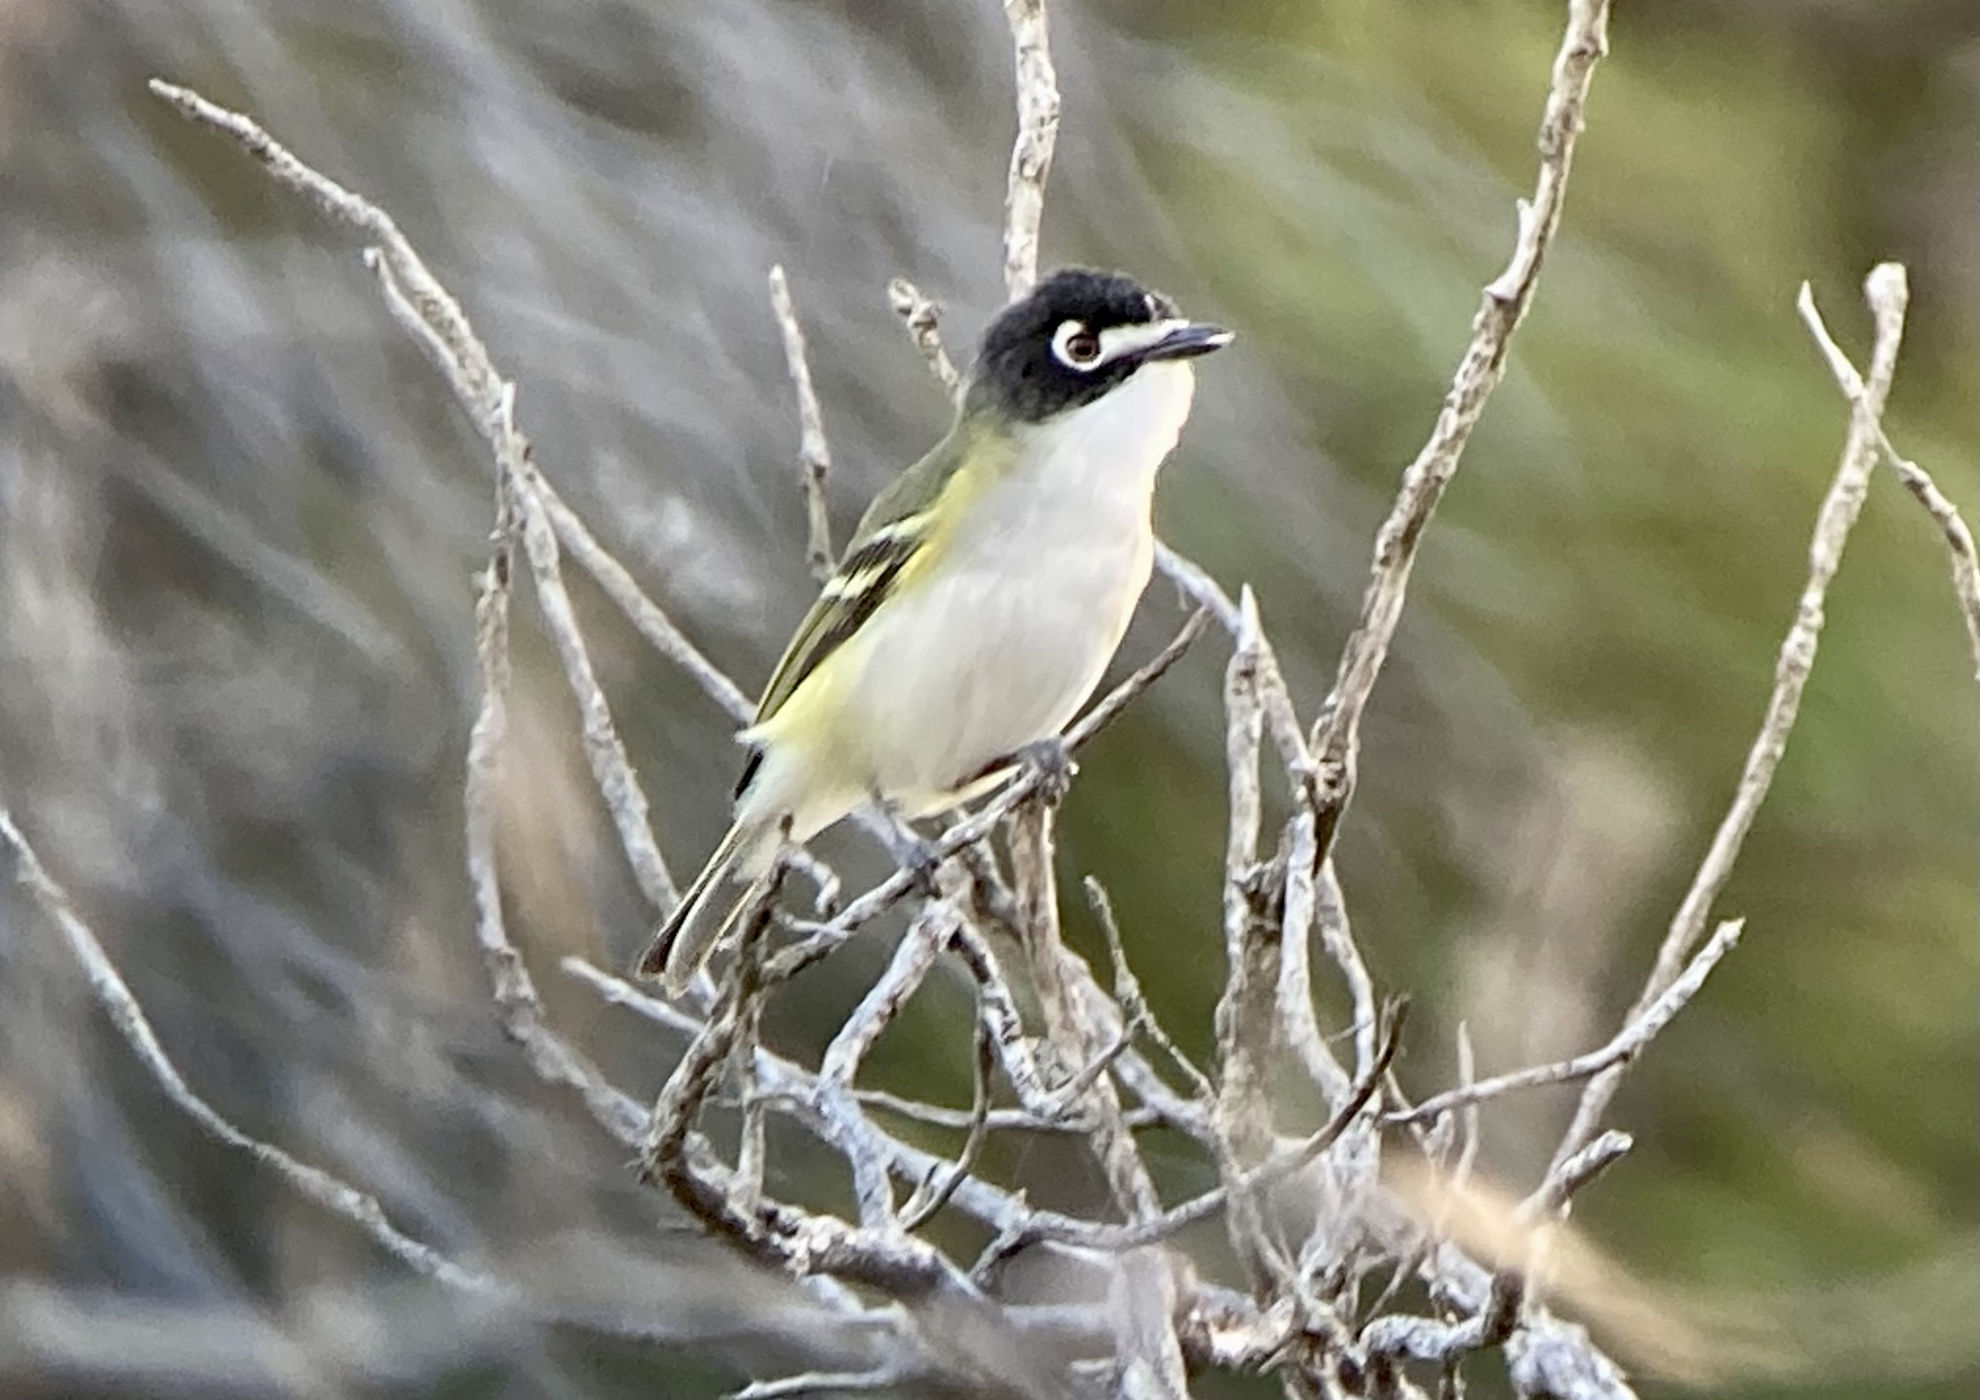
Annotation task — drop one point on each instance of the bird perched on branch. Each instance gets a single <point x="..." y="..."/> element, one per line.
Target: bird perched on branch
<point x="980" y="599"/>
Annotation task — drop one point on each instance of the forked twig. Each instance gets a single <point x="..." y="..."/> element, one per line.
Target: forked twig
<point x="1959" y="539"/>
<point x="1886" y="291"/>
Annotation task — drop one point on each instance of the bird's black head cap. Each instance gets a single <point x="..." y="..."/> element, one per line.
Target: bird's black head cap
<point x="1045" y="354"/>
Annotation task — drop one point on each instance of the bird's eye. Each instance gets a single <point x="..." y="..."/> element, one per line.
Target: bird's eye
<point x="1076" y="346"/>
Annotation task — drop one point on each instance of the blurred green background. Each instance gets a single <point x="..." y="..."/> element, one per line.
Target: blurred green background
<point x="238" y="518"/>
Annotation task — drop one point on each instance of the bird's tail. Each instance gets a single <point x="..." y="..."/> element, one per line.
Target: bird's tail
<point x="706" y="911"/>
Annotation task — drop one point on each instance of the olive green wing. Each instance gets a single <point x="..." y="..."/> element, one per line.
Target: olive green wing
<point x="890" y="534"/>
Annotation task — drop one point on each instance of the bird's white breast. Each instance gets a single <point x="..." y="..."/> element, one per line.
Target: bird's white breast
<point x="1013" y="629"/>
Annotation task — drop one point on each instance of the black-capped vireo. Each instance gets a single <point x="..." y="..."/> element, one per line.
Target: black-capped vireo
<point x="981" y="597"/>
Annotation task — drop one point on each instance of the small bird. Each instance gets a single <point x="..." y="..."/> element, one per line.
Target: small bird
<point x="981" y="597"/>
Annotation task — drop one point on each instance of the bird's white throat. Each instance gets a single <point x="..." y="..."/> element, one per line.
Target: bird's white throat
<point x="1110" y="449"/>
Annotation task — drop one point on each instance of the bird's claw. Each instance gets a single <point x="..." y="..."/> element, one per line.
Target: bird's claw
<point x="913" y="852"/>
<point x="1053" y="764"/>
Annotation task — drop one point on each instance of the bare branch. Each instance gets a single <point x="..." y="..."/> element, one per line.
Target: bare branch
<point x="1571" y="1174"/>
<point x="645" y="615"/>
<point x="1295" y="990"/>
<point x="1031" y="154"/>
<point x="1130" y="689"/>
<point x="1626" y="1045"/>
<point x="1069" y="1029"/>
<point x="1336" y="734"/>
<point x="1247" y="1031"/>
<point x="1959" y="539"/>
<point x="513" y="990"/>
<point x="923" y="319"/>
<point x="788" y="1087"/>
<point x="1128" y="994"/>
<point x="480" y="388"/>
<point x="998" y="1120"/>
<point x="111" y="993"/>
<point x="997" y="1008"/>
<point x="611" y="769"/>
<point x="426" y="309"/>
<point x="814" y="456"/>
<point x="821" y="1383"/>
<point x="1429" y="1339"/>
<point x="1887" y="294"/>
<point x="913" y="958"/>
<point x="919" y="1213"/>
<point x="1047" y="1225"/>
<point x="1467" y="1066"/>
<point x="1337" y="938"/>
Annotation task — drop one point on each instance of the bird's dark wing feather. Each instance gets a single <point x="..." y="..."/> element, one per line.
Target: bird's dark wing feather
<point x="889" y="536"/>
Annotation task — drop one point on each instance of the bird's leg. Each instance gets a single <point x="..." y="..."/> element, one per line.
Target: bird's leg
<point x="1053" y="762"/>
<point x="907" y="847"/>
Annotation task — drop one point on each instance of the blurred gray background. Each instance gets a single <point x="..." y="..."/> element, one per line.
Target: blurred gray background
<point x="239" y="517"/>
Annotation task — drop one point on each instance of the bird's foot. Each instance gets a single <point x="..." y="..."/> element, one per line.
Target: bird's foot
<point x="910" y="850"/>
<point x="1052" y="762"/>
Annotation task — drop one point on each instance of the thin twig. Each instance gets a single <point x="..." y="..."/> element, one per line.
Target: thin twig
<point x="998" y="1009"/>
<point x="1069" y="1029"/>
<point x="665" y="1155"/>
<point x="788" y="1087"/>
<point x="919" y="1213"/>
<point x="423" y="306"/>
<point x="111" y="993"/>
<point x="1468" y="1136"/>
<point x="820" y="1383"/>
<point x="1887" y="294"/>
<point x="1031" y="153"/>
<point x="999" y="1120"/>
<point x="513" y="990"/>
<point x="1047" y="1225"/>
<point x="913" y="957"/>
<point x="1959" y="539"/>
<point x="1403" y="1337"/>
<point x="814" y="456"/>
<point x="611" y="768"/>
<point x="1624" y="1046"/>
<point x="1571" y="1174"/>
<point x="923" y="319"/>
<point x="1336" y="734"/>
<point x="645" y="615"/>
<point x="1129" y="996"/>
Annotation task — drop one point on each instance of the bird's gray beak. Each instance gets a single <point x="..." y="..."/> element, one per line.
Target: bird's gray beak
<point x="1184" y="340"/>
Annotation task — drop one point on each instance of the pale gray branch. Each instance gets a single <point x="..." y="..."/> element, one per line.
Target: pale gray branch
<point x="1626" y="1045"/>
<point x="814" y="456"/>
<point x="1887" y="293"/>
<point x="1031" y="153"/>
<point x="1959" y="539"/>
<point x="111" y="993"/>
<point x="923" y="319"/>
<point x="1336" y="734"/>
